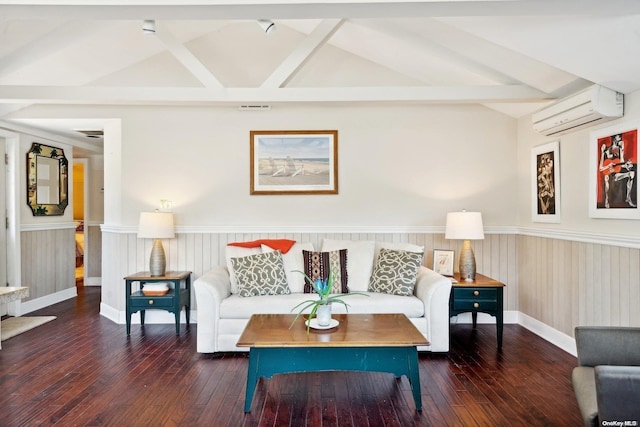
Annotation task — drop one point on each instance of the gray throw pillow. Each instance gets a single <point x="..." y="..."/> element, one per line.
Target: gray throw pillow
<point x="260" y="274"/>
<point x="395" y="272"/>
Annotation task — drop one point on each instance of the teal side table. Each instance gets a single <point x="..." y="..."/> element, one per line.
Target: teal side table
<point x="483" y="295"/>
<point x="172" y="301"/>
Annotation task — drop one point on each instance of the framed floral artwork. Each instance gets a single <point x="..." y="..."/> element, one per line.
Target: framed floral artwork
<point x="294" y="162"/>
<point x="613" y="172"/>
<point x="443" y="261"/>
<point x="545" y="190"/>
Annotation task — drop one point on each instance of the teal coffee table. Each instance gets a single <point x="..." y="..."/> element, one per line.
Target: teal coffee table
<point x="361" y="342"/>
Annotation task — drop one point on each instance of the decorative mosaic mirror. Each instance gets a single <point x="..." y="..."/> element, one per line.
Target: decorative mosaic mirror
<point x="47" y="180"/>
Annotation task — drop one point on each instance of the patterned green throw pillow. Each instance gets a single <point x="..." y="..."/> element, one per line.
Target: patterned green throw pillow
<point x="260" y="274"/>
<point x="395" y="272"/>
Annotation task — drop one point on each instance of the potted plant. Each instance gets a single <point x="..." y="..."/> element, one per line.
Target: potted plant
<point x="321" y="307"/>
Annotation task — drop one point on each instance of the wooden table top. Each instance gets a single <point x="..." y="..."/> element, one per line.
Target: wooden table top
<point x="479" y="282"/>
<point x="169" y="275"/>
<point x="354" y="330"/>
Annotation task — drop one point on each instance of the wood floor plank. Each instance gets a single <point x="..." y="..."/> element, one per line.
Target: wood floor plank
<point x="82" y="369"/>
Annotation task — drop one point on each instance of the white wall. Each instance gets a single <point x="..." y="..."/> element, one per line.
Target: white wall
<point x="581" y="271"/>
<point x="397" y="165"/>
<point x="574" y="177"/>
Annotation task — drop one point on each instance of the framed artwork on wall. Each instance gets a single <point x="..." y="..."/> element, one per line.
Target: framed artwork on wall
<point x="294" y="162"/>
<point x="443" y="261"/>
<point x="545" y="190"/>
<point x="613" y="172"/>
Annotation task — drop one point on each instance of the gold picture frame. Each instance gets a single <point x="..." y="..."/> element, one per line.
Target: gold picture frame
<point x="293" y="162"/>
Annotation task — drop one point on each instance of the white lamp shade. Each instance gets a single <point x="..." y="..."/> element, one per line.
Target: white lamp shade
<point x="464" y="226"/>
<point x="156" y="225"/>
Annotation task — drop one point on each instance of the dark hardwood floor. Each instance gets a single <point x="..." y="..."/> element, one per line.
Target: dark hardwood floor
<point x="82" y="369"/>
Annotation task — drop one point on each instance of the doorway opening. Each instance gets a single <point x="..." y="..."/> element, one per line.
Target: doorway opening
<point x="79" y="217"/>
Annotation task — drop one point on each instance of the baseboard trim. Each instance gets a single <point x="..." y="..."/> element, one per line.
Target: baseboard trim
<point x="47" y="300"/>
<point x="544" y="331"/>
<point x="109" y="312"/>
<point x="554" y="336"/>
<point x="509" y="317"/>
<point x="151" y="317"/>
<point x="93" y="281"/>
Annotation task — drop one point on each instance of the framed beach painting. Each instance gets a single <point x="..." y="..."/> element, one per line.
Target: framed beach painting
<point x="294" y="162"/>
<point x="545" y="190"/>
<point x="613" y="172"/>
<point x="443" y="262"/>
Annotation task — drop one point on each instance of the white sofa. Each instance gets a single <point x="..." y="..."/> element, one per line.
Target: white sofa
<point x="223" y="314"/>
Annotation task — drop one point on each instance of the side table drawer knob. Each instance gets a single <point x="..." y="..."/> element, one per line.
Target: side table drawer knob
<point x="476" y="304"/>
<point x="150" y="302"/>
<point x="476" y="293"/>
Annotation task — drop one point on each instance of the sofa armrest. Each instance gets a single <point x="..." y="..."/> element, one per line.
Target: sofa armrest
<point x="584" y="386"/>
<point x="210" y="289"/>
<point x="618" y="392"/>
<point x="434" y="290"/>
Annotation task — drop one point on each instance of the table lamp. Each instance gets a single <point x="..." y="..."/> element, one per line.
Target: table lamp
<point x="156" y="225"/>
<point x="465" y="226"/>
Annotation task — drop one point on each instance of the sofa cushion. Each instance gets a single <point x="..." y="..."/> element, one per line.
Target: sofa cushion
<point x="293" y="263"/>
<point x="318" y="264"/>
<point x="260" y="274"/>
<point x="399" y="246"/>
<point x="236" y="307"/>
<point x="359" y="262"/>
<point x="395" y="272"/>
<point x="237" y="252"/>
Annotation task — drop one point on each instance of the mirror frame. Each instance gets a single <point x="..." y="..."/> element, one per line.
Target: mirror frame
<point x="45" y="209"/>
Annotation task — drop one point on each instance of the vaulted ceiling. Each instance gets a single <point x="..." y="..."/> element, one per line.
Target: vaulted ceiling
<point x="510" y="55"/>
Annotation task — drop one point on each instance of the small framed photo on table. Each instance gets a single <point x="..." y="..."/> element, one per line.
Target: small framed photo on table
<point x="443" y="262"/>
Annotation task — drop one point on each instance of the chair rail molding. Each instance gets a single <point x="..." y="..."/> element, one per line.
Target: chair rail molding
<point x="585" y="237"/>
<point x="322" y="229"/>
<point x="48" y="226"/>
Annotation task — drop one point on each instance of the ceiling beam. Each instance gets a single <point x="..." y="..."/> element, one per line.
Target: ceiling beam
<point x="182" y="95"/>
<point x="303" y="9"/>
<point x="188" y="59"/>
<point x="294" y="62"/>
<point x="16" y="126"/>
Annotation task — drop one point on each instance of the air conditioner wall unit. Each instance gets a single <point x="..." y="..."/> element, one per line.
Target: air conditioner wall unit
<point x="590" y="106"/>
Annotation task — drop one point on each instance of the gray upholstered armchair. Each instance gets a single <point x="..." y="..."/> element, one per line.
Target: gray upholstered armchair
<point x="607" y="380"/>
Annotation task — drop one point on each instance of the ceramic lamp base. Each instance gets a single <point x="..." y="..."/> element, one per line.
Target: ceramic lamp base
<point x="467" y="262"/>
<point x="157" y="261"/>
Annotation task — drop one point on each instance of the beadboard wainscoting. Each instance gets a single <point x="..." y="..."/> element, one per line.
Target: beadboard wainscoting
<point x="564" y="283"/>
<point x="48" y="263"/>
<point x="200" y="250"/>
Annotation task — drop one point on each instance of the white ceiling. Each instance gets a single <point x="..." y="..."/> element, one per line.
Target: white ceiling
<point x="510" y="55"/>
